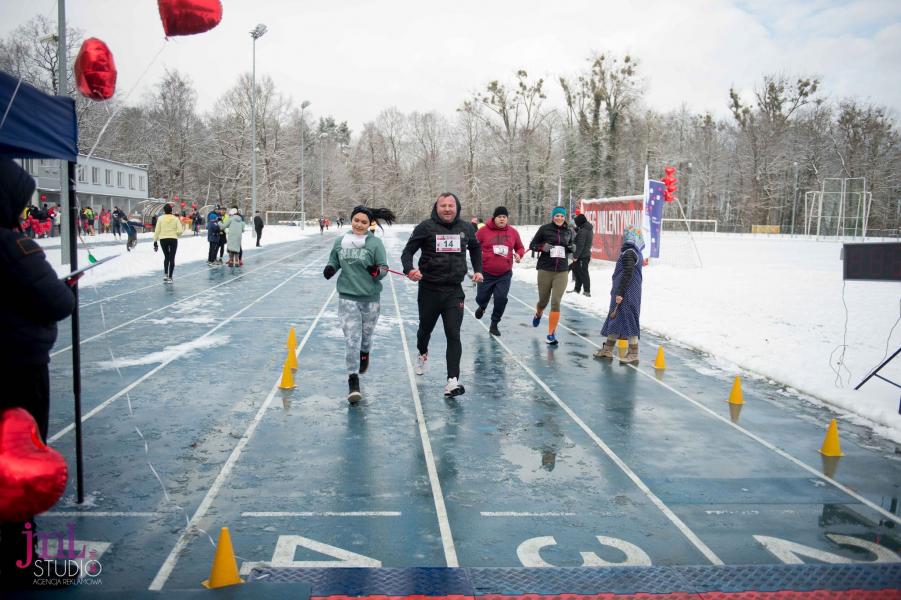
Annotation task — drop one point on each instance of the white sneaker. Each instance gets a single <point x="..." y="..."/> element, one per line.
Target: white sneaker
<point x="453" y="388"/>
<point x="422" y="363"/>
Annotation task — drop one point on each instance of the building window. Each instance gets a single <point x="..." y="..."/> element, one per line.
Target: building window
<point x="141" y="182"/>
<point x="120" y="179"/>
<point x="109" y="176"/>
<point x="131" y="181"/>
<point x="95" y="175"/>
<point x="81" y="175"/>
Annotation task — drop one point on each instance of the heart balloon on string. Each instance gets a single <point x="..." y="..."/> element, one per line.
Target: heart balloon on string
<point x="187" y="17"/>
<point x="95" y="70"/>
<point x="32" y="474"/>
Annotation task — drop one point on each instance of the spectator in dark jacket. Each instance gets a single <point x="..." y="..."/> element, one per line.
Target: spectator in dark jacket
<point x="213" y="235"/>
<point x="443" y="239"/>
<point x="32" y="302"/>
<point x="258" y="226"/>
<point x="582" y="255"/>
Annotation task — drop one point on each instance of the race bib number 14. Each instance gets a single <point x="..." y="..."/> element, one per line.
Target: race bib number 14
<point x="447" y="243"/>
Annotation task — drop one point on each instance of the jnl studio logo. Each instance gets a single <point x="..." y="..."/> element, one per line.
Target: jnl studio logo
<point x="68" y="564"/>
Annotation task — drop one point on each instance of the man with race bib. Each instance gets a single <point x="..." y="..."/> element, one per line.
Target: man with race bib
<point x="501" y="245"/>
<point x="442" y="239"/>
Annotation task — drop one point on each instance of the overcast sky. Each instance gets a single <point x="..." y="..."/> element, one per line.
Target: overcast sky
<point x="353" y="58"/>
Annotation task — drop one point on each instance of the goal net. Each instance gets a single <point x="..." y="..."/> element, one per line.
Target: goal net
<point x="679" y="238"/>
<point x="285" y="217"/>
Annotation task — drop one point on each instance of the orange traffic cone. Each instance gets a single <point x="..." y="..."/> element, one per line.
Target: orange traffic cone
<point x="831" y="445"/>
<point x="224" y="571"/>
<point x="659" y="362"/>
<point x="292" y="340"/>
<point x="735" y="396"/>
<point x="291" y="359"/>
<point x="287" y="381"/>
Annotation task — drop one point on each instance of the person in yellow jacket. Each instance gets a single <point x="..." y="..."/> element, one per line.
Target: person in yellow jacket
<point x="168" y="229"/>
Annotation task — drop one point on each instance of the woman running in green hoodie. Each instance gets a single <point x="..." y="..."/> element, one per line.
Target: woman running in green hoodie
<point x="363" y="263"/>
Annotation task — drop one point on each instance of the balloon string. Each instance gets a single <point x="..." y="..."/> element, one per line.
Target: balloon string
<point x="11" y="100"/>
<point x="146" y="445"/>
<point x="121" y="103"/>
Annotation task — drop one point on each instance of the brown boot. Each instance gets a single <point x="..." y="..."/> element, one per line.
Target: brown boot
<point x="606" y="351"/>
<point x="631" y="357"/>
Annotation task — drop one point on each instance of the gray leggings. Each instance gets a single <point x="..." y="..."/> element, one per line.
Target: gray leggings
<point x="358" y="320"/>
<point x="551" y="285"/>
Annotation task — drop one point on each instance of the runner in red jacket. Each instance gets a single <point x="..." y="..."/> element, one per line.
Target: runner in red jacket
<point x="500" y="247"/>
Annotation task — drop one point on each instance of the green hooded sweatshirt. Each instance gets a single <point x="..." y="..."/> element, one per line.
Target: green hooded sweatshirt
<point x="354" y="281"/>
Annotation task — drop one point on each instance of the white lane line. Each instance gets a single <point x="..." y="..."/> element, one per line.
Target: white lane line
<point x="447" y="539"/>
<point x="527" y="514"/>
<point x="753" y="436"/>
<point x="674" y="519"/>
<point x="146" y="287"/>
<point x="169" y="564"/>
<point x="171" y="304"/>
<point x="78" y="513"/>
<point x="163" y="364"/>
<point x="323" y="514"/>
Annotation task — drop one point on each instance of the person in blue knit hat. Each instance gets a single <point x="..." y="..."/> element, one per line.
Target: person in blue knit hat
<point x="555" y="243"/>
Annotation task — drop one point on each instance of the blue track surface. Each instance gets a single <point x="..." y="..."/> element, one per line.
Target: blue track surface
<point x="551" y="458"/>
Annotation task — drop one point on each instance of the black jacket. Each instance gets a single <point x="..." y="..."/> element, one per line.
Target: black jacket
<point x="555" y="236"/>
<point x="442" y="269"/>
<point x="258" y="222"/>
<point x="584" y="238"/>
<point x="33" y="298"/>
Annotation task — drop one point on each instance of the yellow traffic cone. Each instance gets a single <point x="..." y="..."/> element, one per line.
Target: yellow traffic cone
<point x="287" y="382"/>
<point x="735" y="396"/>
<point x="291" y="359"/>
<point x="225" y="568"/>
<point x="292" y="340"/>
<point x="831" y="445"/>
<point x="659" y="362"/>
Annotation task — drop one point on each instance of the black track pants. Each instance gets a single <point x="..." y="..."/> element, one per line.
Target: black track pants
<point x="169" y="246"/>
<point x="446" y="303"/>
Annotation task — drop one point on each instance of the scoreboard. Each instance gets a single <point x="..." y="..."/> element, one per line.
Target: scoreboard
<point x="872" y="262"/>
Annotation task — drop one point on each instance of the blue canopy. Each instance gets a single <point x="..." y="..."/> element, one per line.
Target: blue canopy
<point x="37" y="125"/>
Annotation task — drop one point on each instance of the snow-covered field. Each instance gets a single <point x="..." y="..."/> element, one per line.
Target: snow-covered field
<point x="772" y="307"/>
<point x="761" y="306"/>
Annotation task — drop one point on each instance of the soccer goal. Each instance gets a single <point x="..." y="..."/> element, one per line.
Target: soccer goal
<point x="285" y="217"/>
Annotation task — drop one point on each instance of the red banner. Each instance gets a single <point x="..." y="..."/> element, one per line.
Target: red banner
<point x="609" y="216"/>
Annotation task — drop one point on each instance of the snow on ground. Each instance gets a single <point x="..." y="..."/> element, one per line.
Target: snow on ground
<point x="771" y="307"/>
<point x="143" y="260"/>
<point x="764" y="306"/>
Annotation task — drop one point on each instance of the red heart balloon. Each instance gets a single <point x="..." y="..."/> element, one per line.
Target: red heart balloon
<point x="32" y="474"/>
<point x="95" y="70"/>
<point x="187" y="17"/>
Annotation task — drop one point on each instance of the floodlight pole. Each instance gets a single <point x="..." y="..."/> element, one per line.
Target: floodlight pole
<point x="303" y="214"/>
<point x="256" y="33"/>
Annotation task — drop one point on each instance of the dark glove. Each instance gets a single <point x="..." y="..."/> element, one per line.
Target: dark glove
<point x="546" y="247"/>
<point x="329" y="271"/>
<point x="374" y="270"/>
<point x="156" y="247"/>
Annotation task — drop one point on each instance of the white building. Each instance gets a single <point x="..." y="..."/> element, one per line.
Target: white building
<point x="98" y="182"/>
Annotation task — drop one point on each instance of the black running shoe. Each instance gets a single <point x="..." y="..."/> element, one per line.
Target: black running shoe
<point x="480" y="312"/>
<point x="494" y="330"/>
<point x="353" y="384"/>
<point x="364" y="362"/>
